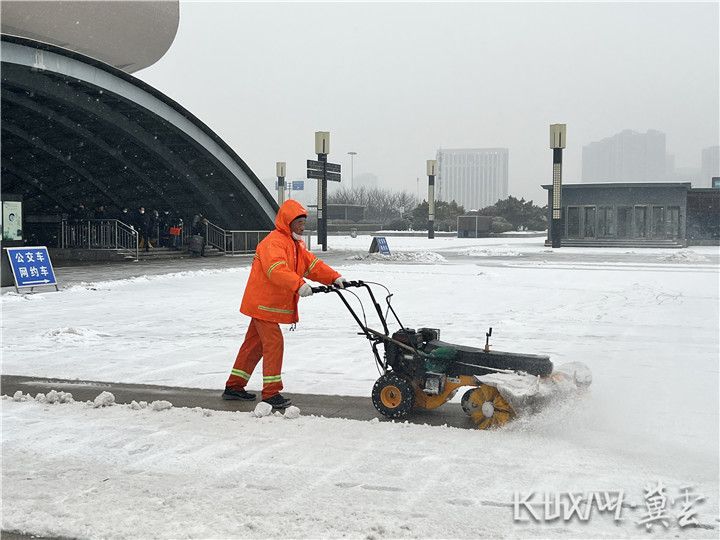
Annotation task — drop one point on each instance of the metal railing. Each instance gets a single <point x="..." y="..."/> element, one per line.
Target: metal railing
<point x="232" y="242"/>
<point x="99" y="234"/>
<point x="243" y="242"/>
<point x="215" y="236"/>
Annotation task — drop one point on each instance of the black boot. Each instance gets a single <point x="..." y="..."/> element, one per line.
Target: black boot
<point x="278" y="401"/>
<point x="238" y="393"/>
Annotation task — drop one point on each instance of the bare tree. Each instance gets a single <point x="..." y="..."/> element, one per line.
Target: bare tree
<point x="381" y="205"/>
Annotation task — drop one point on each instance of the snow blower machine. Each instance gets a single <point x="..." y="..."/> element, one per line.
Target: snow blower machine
<point x="418" y="371"/>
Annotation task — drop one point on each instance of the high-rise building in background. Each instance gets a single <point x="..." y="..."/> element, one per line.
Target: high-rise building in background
<point x="710" y="165"/>
<point x="628" y="156"/>
<point x="473" y="177"/>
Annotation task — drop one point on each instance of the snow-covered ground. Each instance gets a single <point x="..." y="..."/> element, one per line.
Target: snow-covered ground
<point x="646" y="322"/>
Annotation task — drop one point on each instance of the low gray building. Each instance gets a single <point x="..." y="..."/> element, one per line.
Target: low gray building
<point x="651" y="214"/>
<point x="473" y="226"/>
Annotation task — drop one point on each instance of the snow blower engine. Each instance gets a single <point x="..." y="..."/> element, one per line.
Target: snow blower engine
<point x="418" y="370"/>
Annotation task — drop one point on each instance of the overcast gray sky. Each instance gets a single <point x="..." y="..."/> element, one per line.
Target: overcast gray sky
<point x="395" y="82"/>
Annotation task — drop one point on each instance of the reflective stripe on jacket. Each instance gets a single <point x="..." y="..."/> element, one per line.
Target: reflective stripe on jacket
<point x="278" y="269"/>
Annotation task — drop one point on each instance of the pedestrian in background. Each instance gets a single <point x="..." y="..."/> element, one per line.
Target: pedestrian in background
<point x="142" y="225"/>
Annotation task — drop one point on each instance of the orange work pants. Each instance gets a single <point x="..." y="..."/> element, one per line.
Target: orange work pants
<point x="264" y="340"/>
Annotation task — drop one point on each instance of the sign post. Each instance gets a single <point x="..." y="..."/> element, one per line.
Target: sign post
<point x="31" y="267"/>
<point x="322" y="171"/>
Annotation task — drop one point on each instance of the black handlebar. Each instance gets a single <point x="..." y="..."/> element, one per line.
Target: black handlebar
<point x="332" y="288"/>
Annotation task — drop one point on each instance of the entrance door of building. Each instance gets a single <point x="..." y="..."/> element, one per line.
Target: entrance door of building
<point x="658" y="222"/>
<point x="673" y="222"/>
<point x="589" y="222"/>
<point x="573" y="222"/>
<point x="641" y="222"/>
<point x="624" y="221"/>
<point x="605" y="222"/>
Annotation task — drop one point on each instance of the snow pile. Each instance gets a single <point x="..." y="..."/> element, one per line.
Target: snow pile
<point x="684" y="256"/>
<point x="402" y="256"/>
<point x="104" y="399"/>
<point x="73" y="334"/>
<point x="292" y="412"/>
<point x="135" y="406"/>
<point x="52" y="397"/>
<point x="501" y="251"/>
<point x="85" y="286"/>
<point x="12" y="296"/>
<point x="262" y="409"/>
<point x="160" y="405"/>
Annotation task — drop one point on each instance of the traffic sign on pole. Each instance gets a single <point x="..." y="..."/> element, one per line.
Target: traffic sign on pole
<point x="332" y="167"/>
<point x="318" y="166"/>
<point x="333" y="177"/>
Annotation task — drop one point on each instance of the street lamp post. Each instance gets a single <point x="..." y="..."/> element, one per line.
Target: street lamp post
<point x="280" y="170"/>
<point x="431" y="169"/>
<point x="558" y="139"/>
<point x="352" y="155"/>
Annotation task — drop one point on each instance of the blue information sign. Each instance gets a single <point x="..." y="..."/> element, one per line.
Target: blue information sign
<point x="31" y="266"/>
<point x="379" y="244"/>
<point x="298" y="185"/>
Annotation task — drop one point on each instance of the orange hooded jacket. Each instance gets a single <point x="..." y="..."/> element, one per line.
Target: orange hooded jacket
<point x="278" y="269"/>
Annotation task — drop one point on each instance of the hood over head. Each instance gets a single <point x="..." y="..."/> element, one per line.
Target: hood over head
<point x="289" y="210"/>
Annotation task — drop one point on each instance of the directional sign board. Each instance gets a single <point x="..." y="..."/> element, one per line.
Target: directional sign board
<point x="298" y="185"/>
<point x="318" y="166"/>
<point x="31" y="266"/>
<point x="333" y="177"/>
<point x="312" y="164"/>
<point x="332" y="167"/>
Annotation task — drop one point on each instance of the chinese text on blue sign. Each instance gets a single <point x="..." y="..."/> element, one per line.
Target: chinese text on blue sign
<point x="31" y="266"/>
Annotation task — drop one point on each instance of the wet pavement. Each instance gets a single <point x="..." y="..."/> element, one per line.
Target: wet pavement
<point x="350" y="407"/>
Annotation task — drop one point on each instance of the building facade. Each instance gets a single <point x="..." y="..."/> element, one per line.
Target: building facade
<point x="647" y="214"/>
<point x="474" y="177"/>
<point x="628" y="156"/>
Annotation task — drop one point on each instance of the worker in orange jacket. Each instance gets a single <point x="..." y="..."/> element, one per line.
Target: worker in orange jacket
<point x="271" y="297"/>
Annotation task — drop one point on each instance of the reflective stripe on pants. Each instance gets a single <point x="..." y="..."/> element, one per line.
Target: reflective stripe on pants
<point x="264" y="340"/>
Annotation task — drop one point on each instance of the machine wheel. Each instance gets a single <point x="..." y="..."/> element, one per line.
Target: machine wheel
<point x="393" y="396"/>
<point x="486" y="407"/>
